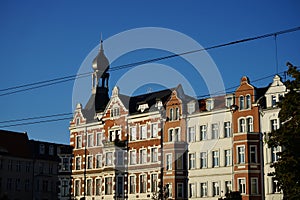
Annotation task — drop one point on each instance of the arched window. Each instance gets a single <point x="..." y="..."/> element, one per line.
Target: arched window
<point x="248" y="101"/>
<point x="176" y="113"/>
<point x="171" y="114"/>
<point x="249" y="124"/>
<point x="242" y="125"/>
<point x="242" y="103"/>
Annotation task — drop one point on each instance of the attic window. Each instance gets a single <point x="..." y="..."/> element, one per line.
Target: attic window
<point x="114" y="112"/>
<point x="191" y="107"/>
<point x="143" y="107"/>
<point x="229" y="101"/>
<point x="209" y="104"/>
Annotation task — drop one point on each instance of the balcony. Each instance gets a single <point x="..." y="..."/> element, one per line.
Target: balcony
<point x="117" y="143"/>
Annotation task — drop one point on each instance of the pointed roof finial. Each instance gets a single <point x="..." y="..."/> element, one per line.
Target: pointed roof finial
<point x="101" y="42"/>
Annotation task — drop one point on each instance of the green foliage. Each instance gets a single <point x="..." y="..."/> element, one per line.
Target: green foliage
<point x="287" y="168"/>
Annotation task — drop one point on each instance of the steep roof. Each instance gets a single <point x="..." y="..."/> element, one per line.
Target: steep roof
<point x="14" y="144"/>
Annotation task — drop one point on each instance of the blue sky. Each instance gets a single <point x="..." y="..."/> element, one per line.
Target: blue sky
<point x="41" y="40"/>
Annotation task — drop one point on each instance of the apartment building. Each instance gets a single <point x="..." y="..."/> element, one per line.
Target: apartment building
<point x="166" y="144"/>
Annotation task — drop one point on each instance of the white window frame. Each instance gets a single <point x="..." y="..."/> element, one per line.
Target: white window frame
<point x="203" y="189"/>
<point x="98" y="186"/>
<point x="108" y="187"/>
<point x="143" y="156"/>
<point x="169" y="161"/>
<point x="89" y="187"/>
<point x="90" y="140"/>
<point x="99" y="137"/>
<point x="241" y="157"/>
<point x="107" y="161"/>
<point x="192" y="160"/>
<point x="203" y="159"/>
<point x="228" y="157"/>
<point x="249" y="122"/>
<point x="203" y="132"/>
<point x="242" y="125"/>
<point x="144" y="183"/>
<point x="132" y="131"/>
<point x="98" y="160"/>
<point x="227" y="129"/>
<point x="191" y="134"/>
<point x="154" y="154"/>
<point x="89" y="162"/>
<point x="242" y="185"/>
<point x="132" y="157"/>
<point x="153" y="187"/>
<point x="215" y="157"/>
<point x="215" y="131"/>
<point x="154" y="130"/>
<point x="274" y="124"/>
<point x="78" y="144"/>
<point x="76" y="164"/>
<point x="242" y="102"/>
<point x="132" y="188"/>
<point x="216" y="189"/>
<point x="248" y="101"/>
<point x="143" y="132"/>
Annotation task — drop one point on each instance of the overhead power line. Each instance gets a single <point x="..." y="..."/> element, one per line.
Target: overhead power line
<point x="55" y="81"/>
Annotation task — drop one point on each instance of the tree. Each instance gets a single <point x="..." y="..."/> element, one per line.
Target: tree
<point x="287" y="168"/>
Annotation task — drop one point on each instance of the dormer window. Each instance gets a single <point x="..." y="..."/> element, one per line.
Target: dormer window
<point x="242" y="103"/>
<point x="209" y="104"/>
<point x="143" y="107"/>
<point x="191" y="107"/>
<point x="273" y="100"/>
<point x="114" y="112"/>
<point x="248" y="101"/>
<point x="229" y="101"/>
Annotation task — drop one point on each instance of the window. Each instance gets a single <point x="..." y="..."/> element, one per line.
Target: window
<point x="203" y="189"/>
<point x="169" y="190"/>
<point x="191" y="134"/>
<point x="209" y="104"/>
<point x="120" y="158"/>
<point x="78" y="142"/>
<point x="143" y="156"/>
<point x="203" y="159"/>
<point x="27" y="185"/>
<point x="253" y="154"/>
<point x="77" y="187"/>
<point x="154" y="154"/>
<point x="275" y="186"/>
<point x="132" y="157"/>
<point x="275" y="151"/>
<point x="228" y="159"/>
<point x="77" y="163"/>
<point x="98" y="187"/>
<point x="215" y="155"/>
<point x="171" y="114"/>
<point x="51" y="150"/>
<point x="254" y="186"/>
<point x="248" y="101"/>
<point x="169" y="161"/>
<point x="177" y="114"/>
<point x="177" y="134"/>
<point x="192" y="190"/>
<point x="108" y="185"/>
<point x="179" y="190"/>
<point x="89" y="162"/>
<point x="216" y="189"/>
<point x="132" y="184"/>
<point x="191" y="107"/>
<point x="99" y="139"/>
<point x="249" y="124"/>
<point x="203" y="133"/>
<point x="77" y="121"/>
<point x="170" y="135"/>
<point x="132" y="135"/>
<point x="65" y="188"/>
<point x="98" y="161"/>
<point x="27" y="167"/>
<point x="242" y="105"/>
<point x="89" y="187"/>
<point x="18" y="166"/>
<point x="241" y="154"/>
<point x="174" y="135"/>
<point x="214" y="131"/>
<point x="242" y="185"/>
<point x="90" y="141"/>
<point x="227" y="129"/>
<point x="228" y="187"/>
<point x="143" y="183"/>
<point x="114" y="134"/>
<point x="274" y="124"/>
<point x="229" y="102"/>
<point x="154" y="130"/>
<point x="143" y="132"/>
<point x="192" y="161"/>
<point x="179" y="161"/>
<point x="109" y="158"/>
<point x="18" y="184"/>
<point x="9" y="184"/>
<point x="273" y="100"/>
<point x="153" y="182"/>
<point x="120" y="188"/>
<point x="115" y="112"/>
<point x="242" y="126"/>
<point x="42" y="149"/>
